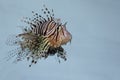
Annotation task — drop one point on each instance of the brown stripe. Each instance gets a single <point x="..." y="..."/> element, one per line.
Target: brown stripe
<point x="46" y="26"/>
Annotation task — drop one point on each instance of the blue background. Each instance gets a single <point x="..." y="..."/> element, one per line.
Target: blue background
<point x="94" y="53"/>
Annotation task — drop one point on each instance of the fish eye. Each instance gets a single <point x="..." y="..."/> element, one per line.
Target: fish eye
<point x="59" y="28"/>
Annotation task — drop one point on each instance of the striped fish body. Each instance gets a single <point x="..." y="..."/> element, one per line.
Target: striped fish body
<point x="44" y="37"/>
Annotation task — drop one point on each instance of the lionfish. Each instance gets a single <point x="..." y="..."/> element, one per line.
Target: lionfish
<point x="44" y="37"/>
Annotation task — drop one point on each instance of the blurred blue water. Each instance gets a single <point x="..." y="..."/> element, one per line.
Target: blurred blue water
<point x="94" y="53"/>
